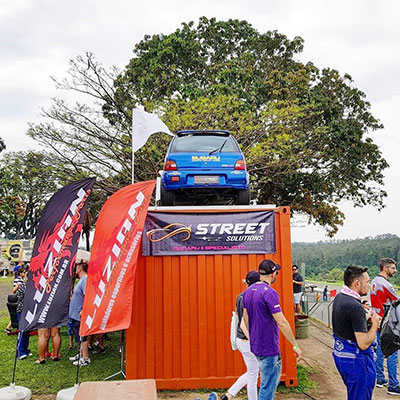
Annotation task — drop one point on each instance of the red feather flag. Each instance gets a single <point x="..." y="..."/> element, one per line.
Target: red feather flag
<point x="109" y="289"/>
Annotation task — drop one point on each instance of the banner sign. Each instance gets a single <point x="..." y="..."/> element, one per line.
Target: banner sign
<point x="209" y="233"/>
<point x="47" y="295"/>
<point x="107" y="305"/>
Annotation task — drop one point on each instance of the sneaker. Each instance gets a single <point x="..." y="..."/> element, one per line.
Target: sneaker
<point x="381" y="383"/>
<point x="213" y="396"/>
<point x="75" y="358"/>
<point x="99" y="350"/>
<point x="82" y="362"/>
<point x="22" y="357"/>
<point x="106" y="337"/>
<point x="394" y="391"/>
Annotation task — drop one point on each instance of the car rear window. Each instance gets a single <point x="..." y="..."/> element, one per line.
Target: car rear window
<point x="204" y="143"/>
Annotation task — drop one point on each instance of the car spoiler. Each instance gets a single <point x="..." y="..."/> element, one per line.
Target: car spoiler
<point x="203" y="132"/>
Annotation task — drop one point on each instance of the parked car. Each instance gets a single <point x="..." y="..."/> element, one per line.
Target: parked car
<point x="204" y="167"/>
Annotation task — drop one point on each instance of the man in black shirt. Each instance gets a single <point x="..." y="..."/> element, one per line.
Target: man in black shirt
<point x="297" y="288"/>
<point x="353" y="348"/>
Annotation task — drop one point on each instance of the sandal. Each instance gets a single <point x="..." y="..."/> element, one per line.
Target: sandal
<point x="55" y="359"/>
<point x="70" y="347"/>
<point x="40" y="362"/>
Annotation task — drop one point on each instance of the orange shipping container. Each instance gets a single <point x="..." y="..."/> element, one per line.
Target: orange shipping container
<point x="182" y="310"/>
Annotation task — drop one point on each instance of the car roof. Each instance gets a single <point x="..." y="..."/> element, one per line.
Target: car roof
<point x="203" y="132"/>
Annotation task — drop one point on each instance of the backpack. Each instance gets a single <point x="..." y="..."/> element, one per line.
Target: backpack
<point x="390" y="329"/>
<point x="234" y="326"/>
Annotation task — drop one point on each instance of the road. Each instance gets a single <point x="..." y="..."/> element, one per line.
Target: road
<point x="321" y="310"/>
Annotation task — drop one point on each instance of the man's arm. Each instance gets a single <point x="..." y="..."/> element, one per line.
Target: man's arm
<point x="364" y="339"/>
<point x="244" y="324"/>
<point x="286" y="330"/>
<point x="299" y="280"/>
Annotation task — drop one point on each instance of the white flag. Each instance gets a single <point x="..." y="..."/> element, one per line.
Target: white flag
<point x="145" y="124"/>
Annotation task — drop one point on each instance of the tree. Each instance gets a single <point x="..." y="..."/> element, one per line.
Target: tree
<point x="303" y="130"/>
<point x="27" y="180"/>
<point x="334" y="275"/>
<point x="2" y="145"/>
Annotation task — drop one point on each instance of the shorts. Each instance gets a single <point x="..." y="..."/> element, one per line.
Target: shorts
<point x="75" y="329"/>
<point x="297" y="298"/>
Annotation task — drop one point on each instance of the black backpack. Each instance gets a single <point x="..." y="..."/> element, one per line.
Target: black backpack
<point x="12" y="302"/>
<point x="390" y="330"/>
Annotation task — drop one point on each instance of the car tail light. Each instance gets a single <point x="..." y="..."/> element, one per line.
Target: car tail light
<point x="175" y="178"/>
<point x="240" y="164"/>
<point x="170" y="165"/>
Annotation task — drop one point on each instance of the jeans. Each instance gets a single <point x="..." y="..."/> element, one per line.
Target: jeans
<point x="270" y="373"/>
<point x="391" y="364"/>
<point x="250" y="377"/>
<point x="23" y="340"/>
<point x="356" y="367"/>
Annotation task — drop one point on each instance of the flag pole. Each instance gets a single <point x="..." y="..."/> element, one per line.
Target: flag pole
<point x="133" y="152"/>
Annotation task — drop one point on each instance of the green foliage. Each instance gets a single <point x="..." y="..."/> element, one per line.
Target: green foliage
<point x="27" y="180"/>
<point x="334" y="275"/>
<point x="40" y="378"/>
<point x="327" y="260"/>
<point x="303" y="130"/>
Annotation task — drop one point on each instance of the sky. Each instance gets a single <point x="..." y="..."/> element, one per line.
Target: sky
<point x="358" y="37"/>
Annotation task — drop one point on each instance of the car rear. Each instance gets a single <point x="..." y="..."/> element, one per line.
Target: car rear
<point x="204" y="167"/>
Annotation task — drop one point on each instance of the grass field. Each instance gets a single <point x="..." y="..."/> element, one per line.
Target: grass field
<point x="53" y="376"/>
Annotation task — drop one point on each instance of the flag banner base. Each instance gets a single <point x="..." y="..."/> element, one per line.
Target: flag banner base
<point x="67" y="394"/>
<point x="14" y="392"/>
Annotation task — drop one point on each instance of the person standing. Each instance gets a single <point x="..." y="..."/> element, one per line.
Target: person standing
<point x="23" y="339"/>
<point x="325" y="293"/>
<point x="297" y="288"/>
<point x="263" y="318"/>
<point x="75" y="309"/>
<point x="382" y="294"/>
<point x="19" y="272"/>
<point x="250" y="377"/>
<point x="353" y="351"/>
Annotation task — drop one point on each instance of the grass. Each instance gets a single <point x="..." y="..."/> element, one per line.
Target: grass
<point x="304" y="381"/>
<point x="6" y="285"/>
<point x="54" y="376"/>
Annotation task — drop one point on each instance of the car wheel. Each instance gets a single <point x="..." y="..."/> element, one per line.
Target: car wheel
<point x="167" y="197"/>
<point x="243" y="197"/>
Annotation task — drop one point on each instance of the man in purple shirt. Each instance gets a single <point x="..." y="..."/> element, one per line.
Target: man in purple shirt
<point x="263" y="317"/>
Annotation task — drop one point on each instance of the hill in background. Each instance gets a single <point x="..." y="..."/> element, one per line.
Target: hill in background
<point x="327" y="260"/>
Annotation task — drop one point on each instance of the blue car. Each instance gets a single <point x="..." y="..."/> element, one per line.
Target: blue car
<point x="204" y="167"/>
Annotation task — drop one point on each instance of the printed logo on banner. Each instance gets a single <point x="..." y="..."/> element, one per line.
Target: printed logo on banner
<point x="49" y="283"/>
<point x="227" y="233"/>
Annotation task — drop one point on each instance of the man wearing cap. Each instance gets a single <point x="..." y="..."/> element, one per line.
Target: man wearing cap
<point x="263" y="317"/>
<point x="250" y="377"/>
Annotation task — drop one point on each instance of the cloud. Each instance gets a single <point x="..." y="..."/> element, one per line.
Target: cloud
<point x="359" y="37"/>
